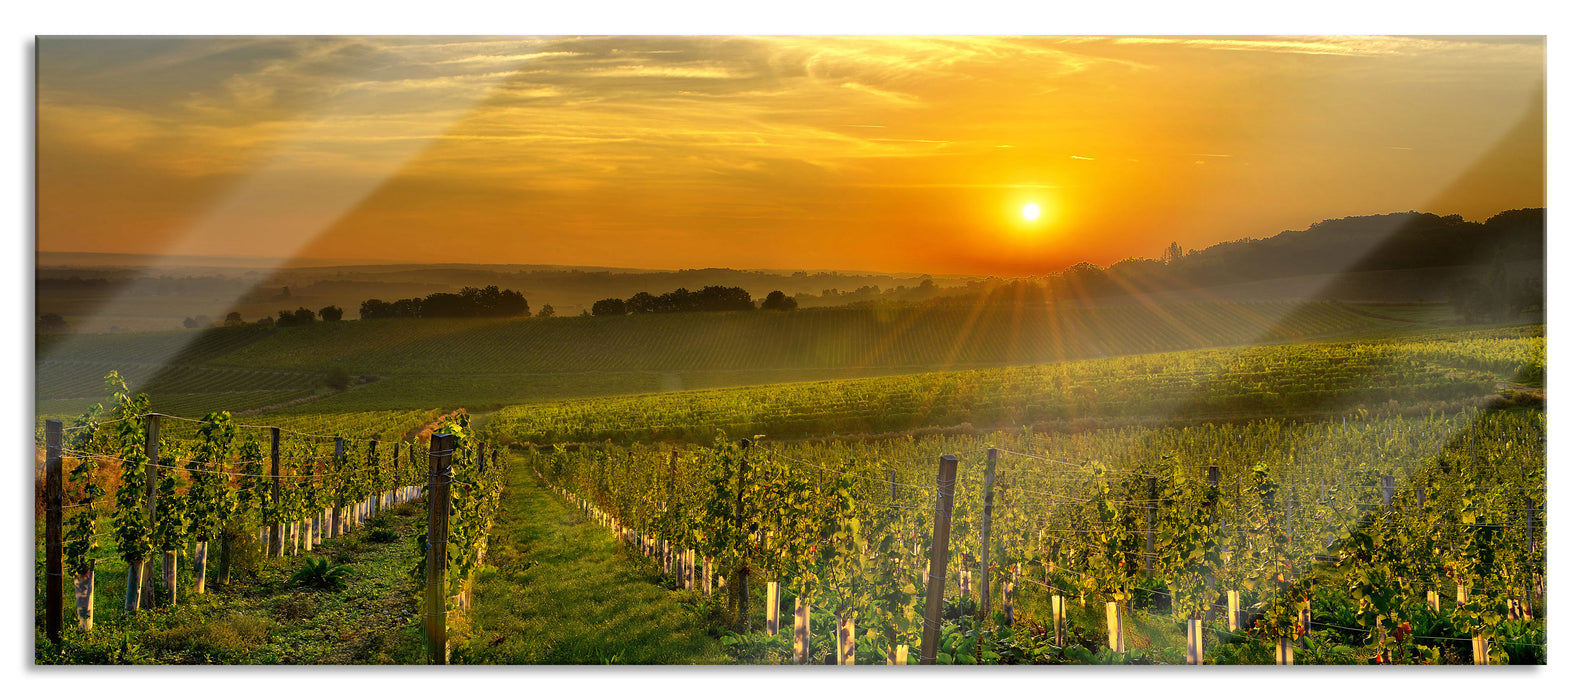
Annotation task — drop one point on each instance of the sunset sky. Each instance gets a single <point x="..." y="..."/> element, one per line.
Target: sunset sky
<point x="885" y="153"/>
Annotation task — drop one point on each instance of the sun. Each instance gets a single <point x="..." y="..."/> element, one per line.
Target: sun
<point x="1031" y="211"/>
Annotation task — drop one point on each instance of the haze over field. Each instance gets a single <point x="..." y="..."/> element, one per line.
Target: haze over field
<point x="901" y="154"/>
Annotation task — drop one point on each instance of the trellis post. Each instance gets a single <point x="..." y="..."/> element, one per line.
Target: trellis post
<point x="54" y="551"/>
<point x="944" y="501"/>
<point x="276" y="542"/>
<point x="439" y="478"/>
<point x="988" y="519"/>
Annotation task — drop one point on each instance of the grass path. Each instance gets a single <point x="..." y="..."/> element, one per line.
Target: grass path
<point x="559" y="590"/>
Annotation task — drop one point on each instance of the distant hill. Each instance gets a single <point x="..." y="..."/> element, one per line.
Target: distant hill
<point x="1399" y="257"/>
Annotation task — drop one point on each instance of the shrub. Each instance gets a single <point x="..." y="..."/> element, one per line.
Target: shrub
<point x="319" y="574"/>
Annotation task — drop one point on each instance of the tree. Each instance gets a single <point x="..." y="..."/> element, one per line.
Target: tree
<point x="301" y="317"/>
<point x="609" y="307"/>
<point x="546" y="312"/>
<point x="374" y="308"/>
<point x="1173" y="253"/>
<point x="778" y="301"/>
<point x="198" y="321"/>
<point x="234" y="319"/>
<point x="641" y="303"/>
<point x="330" y="314"/>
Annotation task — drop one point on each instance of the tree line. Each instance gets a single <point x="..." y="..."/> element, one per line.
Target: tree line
<point x="711" y="298"/>
<point x="471" y="302"/>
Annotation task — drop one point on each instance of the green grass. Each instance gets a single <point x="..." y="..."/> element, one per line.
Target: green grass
<point x="559" y="590"/>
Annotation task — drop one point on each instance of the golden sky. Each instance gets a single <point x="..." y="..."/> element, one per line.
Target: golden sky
<point x="886" y="153"/>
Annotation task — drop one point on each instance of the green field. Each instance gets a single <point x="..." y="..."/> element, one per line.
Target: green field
<point x="489" y="363"/>
<point x="1431" y="371"/>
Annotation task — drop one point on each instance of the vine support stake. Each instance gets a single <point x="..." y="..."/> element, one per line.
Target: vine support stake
<point x="772" y="615"/>
<point x="1194" y="654"/>
<point x="944" y="501"/>
<point x="337" y="517"/>
<point x="277" y="543"/>
<point x="1153" y="504"/>
<point x="802" y="636"/>
<point x="988" y="519"/>
<point x="439" y="477"/>
<point x="1058" y="603"/>
<point x="373" y="488"/>
<point x="1112" y="617"/>
<point x="54" y="552"/>
<point x="739" y="587"/>
<point x="145" y="593"/>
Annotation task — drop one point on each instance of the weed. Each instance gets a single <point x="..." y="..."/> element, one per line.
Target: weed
<point x="319" y="574"/>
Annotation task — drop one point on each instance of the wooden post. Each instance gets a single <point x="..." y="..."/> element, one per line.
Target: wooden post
<point x="145" y="593"/>
<point x="847" y="636"/>
<point x="800" y="634"/>
<point x="167" y="572"/>
<point x="1422" y="496"/>
<point x="933" y="606"/>
<point x="772" y="615"/>
<point x="1480" y="650"/>
<point x="200" y="567"/>
<point x="1461" y="594"/>
<point x="988" y="518"/>
<point x="337" y="519"/>
<point x="1433" y="599"/>
<point x="277" y="543"/>
<point x="439" y="478"/>
<point x="1531" y="546"/>
<point x="1153" y="504"/>
<point x="1112" y="616"/>
<point x="739" y="589"/>
<point x="373" y="456"/>
<point x="892" y="485"/>
<point x="54" y="551"/>
<point x="1387" y="487"/>
<point x="1233" y="609"/>
<point x="1284" y="652"/>
<point x="1194" y="642"/>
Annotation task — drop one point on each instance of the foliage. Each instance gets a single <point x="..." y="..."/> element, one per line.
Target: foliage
<point x="320" y="574"/>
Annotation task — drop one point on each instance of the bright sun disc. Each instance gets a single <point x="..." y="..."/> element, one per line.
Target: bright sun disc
<point x="1030" y="211"/>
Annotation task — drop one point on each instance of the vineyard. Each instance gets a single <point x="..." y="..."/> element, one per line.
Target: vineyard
<point x="496" y="362"/>
<point x="1377" y="499"/>
<point x="124" y="486"/>
<point x="1435" y="371"/>
<point x="1404" y="540"/>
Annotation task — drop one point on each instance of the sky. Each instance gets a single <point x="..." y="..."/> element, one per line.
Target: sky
<point x="885" y="153"/>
